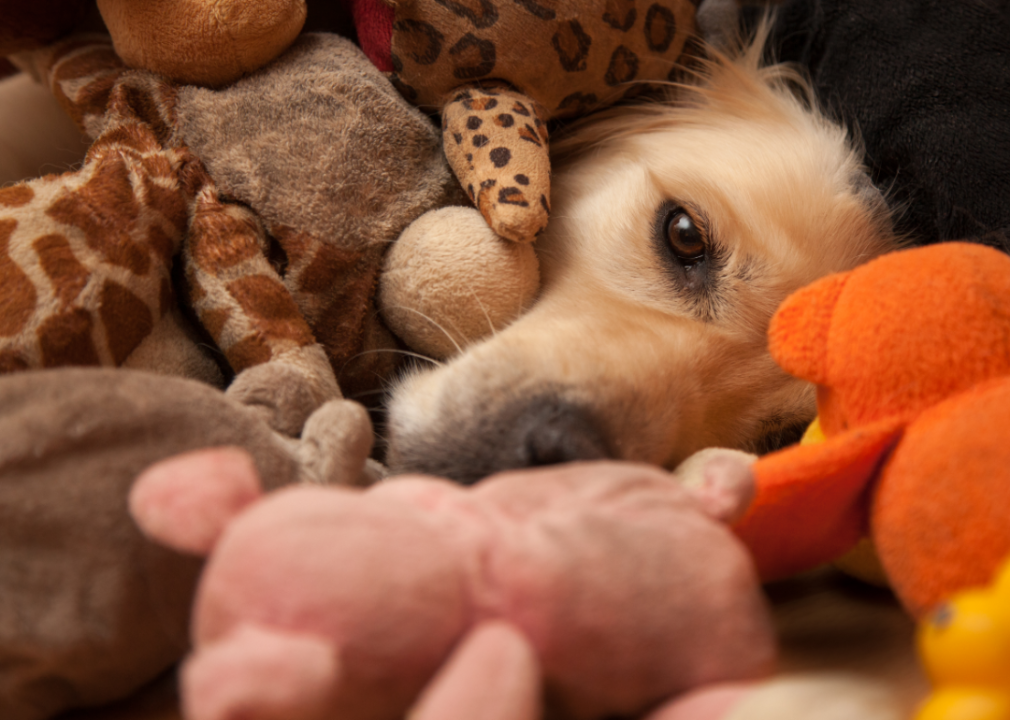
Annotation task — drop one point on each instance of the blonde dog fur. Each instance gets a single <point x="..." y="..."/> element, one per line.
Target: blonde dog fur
<point x="630" y="352"/>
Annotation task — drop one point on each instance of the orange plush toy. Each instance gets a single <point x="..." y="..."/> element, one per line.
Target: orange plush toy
<point x="911" y="357"/>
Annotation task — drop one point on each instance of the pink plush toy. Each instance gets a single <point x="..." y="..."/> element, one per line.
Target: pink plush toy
<point x="599" y="589"/>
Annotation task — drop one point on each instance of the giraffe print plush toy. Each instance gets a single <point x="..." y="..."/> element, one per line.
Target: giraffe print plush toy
<point x="498" y="71"/>
<point x="97" y="262"/>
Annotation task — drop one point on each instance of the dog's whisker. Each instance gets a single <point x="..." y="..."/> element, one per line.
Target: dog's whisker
<point x="677" y="228"/>
<point x="396" y="351"/>
<point x="434" y="323"/>
<point x="483" y="310"/>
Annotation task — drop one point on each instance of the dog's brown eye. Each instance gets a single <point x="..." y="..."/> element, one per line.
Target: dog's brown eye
<point x="684" y="237"/>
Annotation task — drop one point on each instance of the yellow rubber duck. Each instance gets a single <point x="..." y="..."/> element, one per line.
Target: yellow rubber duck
<point x="965" y="646"/>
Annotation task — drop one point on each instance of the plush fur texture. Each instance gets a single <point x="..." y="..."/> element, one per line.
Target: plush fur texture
<point x="448" y="281"/>
<point x="336" y="165"/>
<point x="629" y="351"/>
<point x="198" y="42"/>
<point x="321" y="166"/>
<point x="556" y="60"/>
<point x="91" y="610"/>
<point x="617" y="588"/>
<point x="911" y="355"/>
<point x="926" y="85"/>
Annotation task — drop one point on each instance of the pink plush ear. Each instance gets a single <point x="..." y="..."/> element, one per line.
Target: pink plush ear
<point x="186" y="501"/>
<point x="493" y="675"/>
<point x="256" y="673"/>
<point x="798" y="334"/>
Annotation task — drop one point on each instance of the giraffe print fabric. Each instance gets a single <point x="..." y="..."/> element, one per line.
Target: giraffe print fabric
<point x="262" y="211"/>
<point x="88" y="254"/>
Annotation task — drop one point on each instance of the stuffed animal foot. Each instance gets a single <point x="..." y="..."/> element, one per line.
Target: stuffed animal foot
<point x="496" y="142"/>
<point x="493" y="675"/>
<point x="788" y="697"/>
<point x="288" y="389"/>
<point x="335" y="445"/>
<point x="449" y="281"/>
<point x="609" y="585"/>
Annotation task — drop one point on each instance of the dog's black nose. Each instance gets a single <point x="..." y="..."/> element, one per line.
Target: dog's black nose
<point x="542" y="430"/>
<point x="551" y="431"/>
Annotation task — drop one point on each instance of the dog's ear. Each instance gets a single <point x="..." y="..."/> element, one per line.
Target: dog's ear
<point x="798" y="334"/>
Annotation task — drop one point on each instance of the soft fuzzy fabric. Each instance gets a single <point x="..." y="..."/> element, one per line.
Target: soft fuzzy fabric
<point x="92" y="610"/>
<point x="926" y="85"/>
<point x="321" y="165"/>
<point x="911" y="355"/>
<point x="336" y="165"/>
<point x="199" y="41"/>
<point x="624" y="586"/>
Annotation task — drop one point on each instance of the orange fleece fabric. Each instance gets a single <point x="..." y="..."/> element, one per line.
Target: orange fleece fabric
<point x="911" y="356"/>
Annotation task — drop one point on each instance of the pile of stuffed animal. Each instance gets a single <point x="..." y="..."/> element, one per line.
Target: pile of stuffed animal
<point x="265" y="221"/>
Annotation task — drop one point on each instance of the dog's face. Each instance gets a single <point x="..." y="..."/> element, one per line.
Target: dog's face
<point x="675" y="233"/>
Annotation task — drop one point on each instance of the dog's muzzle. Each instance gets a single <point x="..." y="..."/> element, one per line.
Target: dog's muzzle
<point x="530" y="432"/>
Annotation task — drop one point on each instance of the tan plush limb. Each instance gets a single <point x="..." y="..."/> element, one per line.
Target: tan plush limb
<point x="81" y="72"/>
<point x="242" y="302"/>
<point x="496" y="143"/>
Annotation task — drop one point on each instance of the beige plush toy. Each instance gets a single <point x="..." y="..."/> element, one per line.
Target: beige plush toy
<point x="449" y="281"/>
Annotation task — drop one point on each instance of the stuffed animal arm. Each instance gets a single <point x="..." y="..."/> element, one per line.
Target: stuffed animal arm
<point x="609" y="587"/>
<point x="496" y="142"/>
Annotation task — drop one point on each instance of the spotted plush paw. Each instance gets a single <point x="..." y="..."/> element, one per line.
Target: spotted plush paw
<point x="496" y="143"/>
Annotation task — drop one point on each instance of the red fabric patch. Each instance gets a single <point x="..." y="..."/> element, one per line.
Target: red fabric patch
<point x="373" y="20"/>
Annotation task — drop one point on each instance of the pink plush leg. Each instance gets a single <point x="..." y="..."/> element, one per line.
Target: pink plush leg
<point x="493" y="675"/>
<point x="185" y="502"/>
<point x="260" y="674"/>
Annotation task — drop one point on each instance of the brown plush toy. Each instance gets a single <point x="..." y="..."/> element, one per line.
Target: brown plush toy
<point x="91" y="609"/>
<point x="497" y="72"/>
<point x="202" y="42"/>
<point x="278" y="194"/>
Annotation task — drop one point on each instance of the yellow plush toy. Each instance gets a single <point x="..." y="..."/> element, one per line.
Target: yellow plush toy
<point x="965" y="646"/>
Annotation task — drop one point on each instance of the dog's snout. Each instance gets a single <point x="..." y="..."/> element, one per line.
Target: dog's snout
<point x="532" y="432"/>
<point x="549" y="432"/>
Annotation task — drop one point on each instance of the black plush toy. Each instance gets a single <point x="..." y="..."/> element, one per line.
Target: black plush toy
<point x="926" y="84"/>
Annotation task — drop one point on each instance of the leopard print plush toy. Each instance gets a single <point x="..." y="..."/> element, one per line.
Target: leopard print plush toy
<point x="498" y="70"/>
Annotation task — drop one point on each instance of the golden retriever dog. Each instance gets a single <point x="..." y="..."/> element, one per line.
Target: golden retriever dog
<point x="676" y="230"/>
